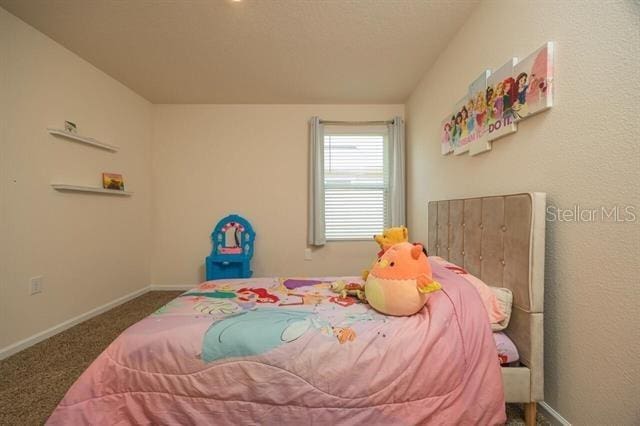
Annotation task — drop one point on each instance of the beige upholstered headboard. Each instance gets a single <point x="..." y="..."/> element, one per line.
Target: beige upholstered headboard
<point x="500" y="239"/>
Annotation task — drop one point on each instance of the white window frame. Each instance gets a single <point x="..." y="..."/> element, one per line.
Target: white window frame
<point x="383" y="131"/>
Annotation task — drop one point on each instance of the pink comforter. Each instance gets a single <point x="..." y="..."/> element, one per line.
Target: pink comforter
<point x="288" y="351"/>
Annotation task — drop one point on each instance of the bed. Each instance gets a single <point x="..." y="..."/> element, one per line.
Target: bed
<point x="290" y="351"/>
<point x="501" y="240"/>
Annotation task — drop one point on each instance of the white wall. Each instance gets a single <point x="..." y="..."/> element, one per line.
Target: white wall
<point x="583" y="151"/>
<point x="91" y="249"/>
<point x="212" y="160"/>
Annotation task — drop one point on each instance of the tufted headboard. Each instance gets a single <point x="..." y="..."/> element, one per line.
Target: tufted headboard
<point x="500" y="239"/>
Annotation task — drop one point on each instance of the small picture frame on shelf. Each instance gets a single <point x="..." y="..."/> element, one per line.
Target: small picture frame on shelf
<point x="112" y="181"/>
<point x="70" y="127"/>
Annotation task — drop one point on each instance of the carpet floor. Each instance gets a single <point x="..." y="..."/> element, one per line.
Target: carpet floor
<point x="33" y="382"/>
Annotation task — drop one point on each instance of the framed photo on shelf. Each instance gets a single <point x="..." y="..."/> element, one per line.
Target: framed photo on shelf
<point x="112" y="181"/>
<point x="70" y="127"/>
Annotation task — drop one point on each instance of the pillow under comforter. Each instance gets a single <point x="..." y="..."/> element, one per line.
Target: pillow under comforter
<point x="497" y="314"/>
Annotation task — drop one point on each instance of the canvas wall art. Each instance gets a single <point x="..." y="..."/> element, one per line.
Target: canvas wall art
<point x="533" y="83"/>
<point x="497" y="100"/>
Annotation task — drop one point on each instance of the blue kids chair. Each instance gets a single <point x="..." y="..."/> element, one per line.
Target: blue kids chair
<point x="232" y="250"/>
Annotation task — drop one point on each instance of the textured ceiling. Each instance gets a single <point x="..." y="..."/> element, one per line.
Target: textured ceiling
<point x="254" y="51"/>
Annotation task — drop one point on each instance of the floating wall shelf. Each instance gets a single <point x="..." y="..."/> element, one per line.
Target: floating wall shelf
<point x="83" y="139"/>
<point x="94" y="189"/>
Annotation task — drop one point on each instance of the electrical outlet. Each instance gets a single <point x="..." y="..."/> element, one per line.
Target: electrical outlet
<point x="36" y="285"/>
<point x="307" y="254"/>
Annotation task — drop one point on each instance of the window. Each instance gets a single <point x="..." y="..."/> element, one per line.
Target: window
<point x="356" y="183"/>
<point x="356" y="180"/>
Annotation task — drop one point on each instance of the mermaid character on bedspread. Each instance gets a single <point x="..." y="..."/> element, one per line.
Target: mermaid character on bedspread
<point x="253" y="320"/>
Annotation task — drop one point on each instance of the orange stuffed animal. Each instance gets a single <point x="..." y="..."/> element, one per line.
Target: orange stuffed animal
<point x="401" y="280"/>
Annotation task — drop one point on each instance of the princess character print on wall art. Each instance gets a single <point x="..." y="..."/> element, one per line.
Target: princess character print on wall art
<point x="533" y="82"/>
<point x="471" y="116"/>
<point x="457" y="130"/>
<point x="497" y="100"/>
<point x="489" y="102"/>
<point x="520" y="104"/>
<point x="464" y="118"/>
<point x="478" y="141"/>
<point x="446" y="135"/>
<point x="508" y="97"/>
<point x="498" y="90"/>
<point x="481" y="112"/>
<point x="460" y="128"/>
<point x="452" y="123"/>
<point x="521" y="84"/>
<point x="498" y="104"/>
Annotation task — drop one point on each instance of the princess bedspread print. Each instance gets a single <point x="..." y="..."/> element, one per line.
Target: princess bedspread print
<point x="290" y="351"/>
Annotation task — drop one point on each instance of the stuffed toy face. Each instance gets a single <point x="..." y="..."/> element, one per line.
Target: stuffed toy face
<point x="391" y="236"/>
<point x="400" y="281"/>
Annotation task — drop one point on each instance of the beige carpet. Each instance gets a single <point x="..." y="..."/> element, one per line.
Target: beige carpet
<point x="33" y="381"/>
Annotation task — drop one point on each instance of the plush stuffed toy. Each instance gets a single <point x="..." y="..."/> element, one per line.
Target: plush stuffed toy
<point x="348" y="289"/>
<point x="389" y="237"/>
<point x="401" y="280"/>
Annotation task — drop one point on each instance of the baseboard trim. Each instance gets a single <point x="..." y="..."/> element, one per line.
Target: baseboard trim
<point x="39" y="337"/>
<point x="185" y="287"/>
<point x="552" y="415"/>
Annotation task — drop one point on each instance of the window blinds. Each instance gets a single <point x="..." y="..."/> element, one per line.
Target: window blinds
<point x="356" y="178"/>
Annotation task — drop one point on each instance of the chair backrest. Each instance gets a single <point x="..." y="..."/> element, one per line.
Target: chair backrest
<point x="233" y="236"/>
